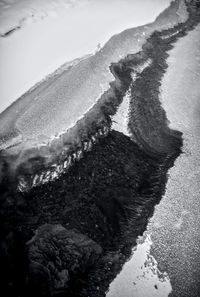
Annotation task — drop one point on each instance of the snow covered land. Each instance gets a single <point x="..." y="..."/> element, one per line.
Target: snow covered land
<point x="37" y="37"/>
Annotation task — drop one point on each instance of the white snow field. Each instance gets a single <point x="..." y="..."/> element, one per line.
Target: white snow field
<point x="37" y="37"/>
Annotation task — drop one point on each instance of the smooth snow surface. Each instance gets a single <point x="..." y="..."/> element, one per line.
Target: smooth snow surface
<point x="36" y="37"/>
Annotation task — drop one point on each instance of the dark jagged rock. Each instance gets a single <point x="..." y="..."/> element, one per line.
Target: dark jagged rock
<point x="108" y="196"/>
<point x="57" y="255"/>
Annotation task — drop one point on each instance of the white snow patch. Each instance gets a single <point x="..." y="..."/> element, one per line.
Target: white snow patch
<point x="140" y="276"/>
<point x="120" y="119"/>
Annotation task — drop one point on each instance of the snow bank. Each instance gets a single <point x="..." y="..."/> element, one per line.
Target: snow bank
<point x="36" y="37"/>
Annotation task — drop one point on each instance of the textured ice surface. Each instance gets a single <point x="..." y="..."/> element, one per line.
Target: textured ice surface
<point x="140" y="276"/>
<point x="175" y="225"/>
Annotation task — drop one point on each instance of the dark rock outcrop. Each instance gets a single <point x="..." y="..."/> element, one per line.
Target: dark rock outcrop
<point x="107" y="196"/>
<point x="57" y="255"/>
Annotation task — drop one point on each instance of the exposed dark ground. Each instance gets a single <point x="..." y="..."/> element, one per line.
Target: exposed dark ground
<point x="108" y="196"/>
